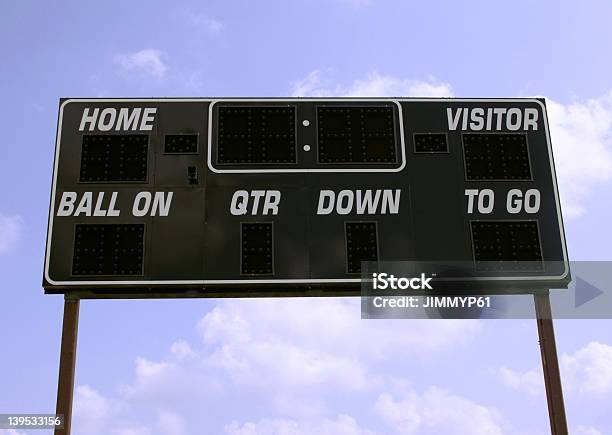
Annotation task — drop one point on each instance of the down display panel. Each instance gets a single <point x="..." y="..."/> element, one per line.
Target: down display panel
<point x="266" y="197"/>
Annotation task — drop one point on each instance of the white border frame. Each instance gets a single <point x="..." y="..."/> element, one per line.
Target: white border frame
<point x="293" y="281"/>
<point x="290" y="170"/>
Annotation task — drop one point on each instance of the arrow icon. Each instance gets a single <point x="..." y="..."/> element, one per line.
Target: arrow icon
<point x="584" y="292"/>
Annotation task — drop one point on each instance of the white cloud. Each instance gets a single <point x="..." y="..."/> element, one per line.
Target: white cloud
<point x="589" y="370"/>
<point x="291" y="356"/>
<point x="148" y="61"/>
<point x="342" y="425"/>
<point x="317" y="342"/>
<point x="296" y="405"/>
<point x="430" y="88"/>
<point x="289" y="347"/>
<point x="586" y="371"/>
<point x="313" y="85"/>
<point x="214" y="26"/>
<point x="531" y="381"/>
<point x="433" y="411"/>
<point x="181" y="350"/>
<point x="170" y="424"/>
<point x="253" y="347"/>
<point x="438" y="411"/>
<point x="587" y="430"/>
<point x="147" y="369"/>
<point x="165" y="423"/>
<point x="581" y="134"/>
<point x="210" y="24"/>
<point x="10" y="232"/>
<point x="379" y="85"/>
<point x="318" y="84"/>
<point x="95" y="414"/>
<point x="91" y="409"/>
<point x="332" y="325"/>
<point x="168" y="381"/>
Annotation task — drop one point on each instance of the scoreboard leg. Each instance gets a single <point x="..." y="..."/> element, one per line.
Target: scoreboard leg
<point x="550" y="364"/>
<point x="65" y="386"/>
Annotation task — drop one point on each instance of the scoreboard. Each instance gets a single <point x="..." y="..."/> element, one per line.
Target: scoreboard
<point x="253" y="197"/>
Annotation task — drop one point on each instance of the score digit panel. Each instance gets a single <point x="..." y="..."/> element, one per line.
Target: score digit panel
<point x="266" y="136"/>
<point x="256" y="197"/>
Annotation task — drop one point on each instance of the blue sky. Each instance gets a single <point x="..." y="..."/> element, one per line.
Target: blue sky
<point x="291" y="367"/>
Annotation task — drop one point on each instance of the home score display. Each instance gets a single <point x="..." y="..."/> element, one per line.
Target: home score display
<point x="251" y="196"/>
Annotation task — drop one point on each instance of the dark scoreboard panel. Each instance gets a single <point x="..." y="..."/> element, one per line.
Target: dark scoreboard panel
<point x="290" y="196"/>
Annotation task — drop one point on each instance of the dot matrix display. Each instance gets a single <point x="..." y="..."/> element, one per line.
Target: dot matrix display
<point x="256" y="135"/>
<point x="361" y="244"/>
<point x="496" y="157"/>
<point x="257" y="249"/>
<point x="430" y="143"/>
<point x="181" y="144"/>
<point x="108" y="249"/>
<point x="363" y="135"/>
<point x="506" y="245"/>
<point x="114" y="158"/>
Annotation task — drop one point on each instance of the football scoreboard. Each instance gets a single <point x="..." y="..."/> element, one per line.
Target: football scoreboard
<point x="250" y="197"/>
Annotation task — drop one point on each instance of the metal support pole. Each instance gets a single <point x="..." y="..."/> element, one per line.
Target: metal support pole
<point x="65" y="386"/>
<point x="550" y="364"/>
